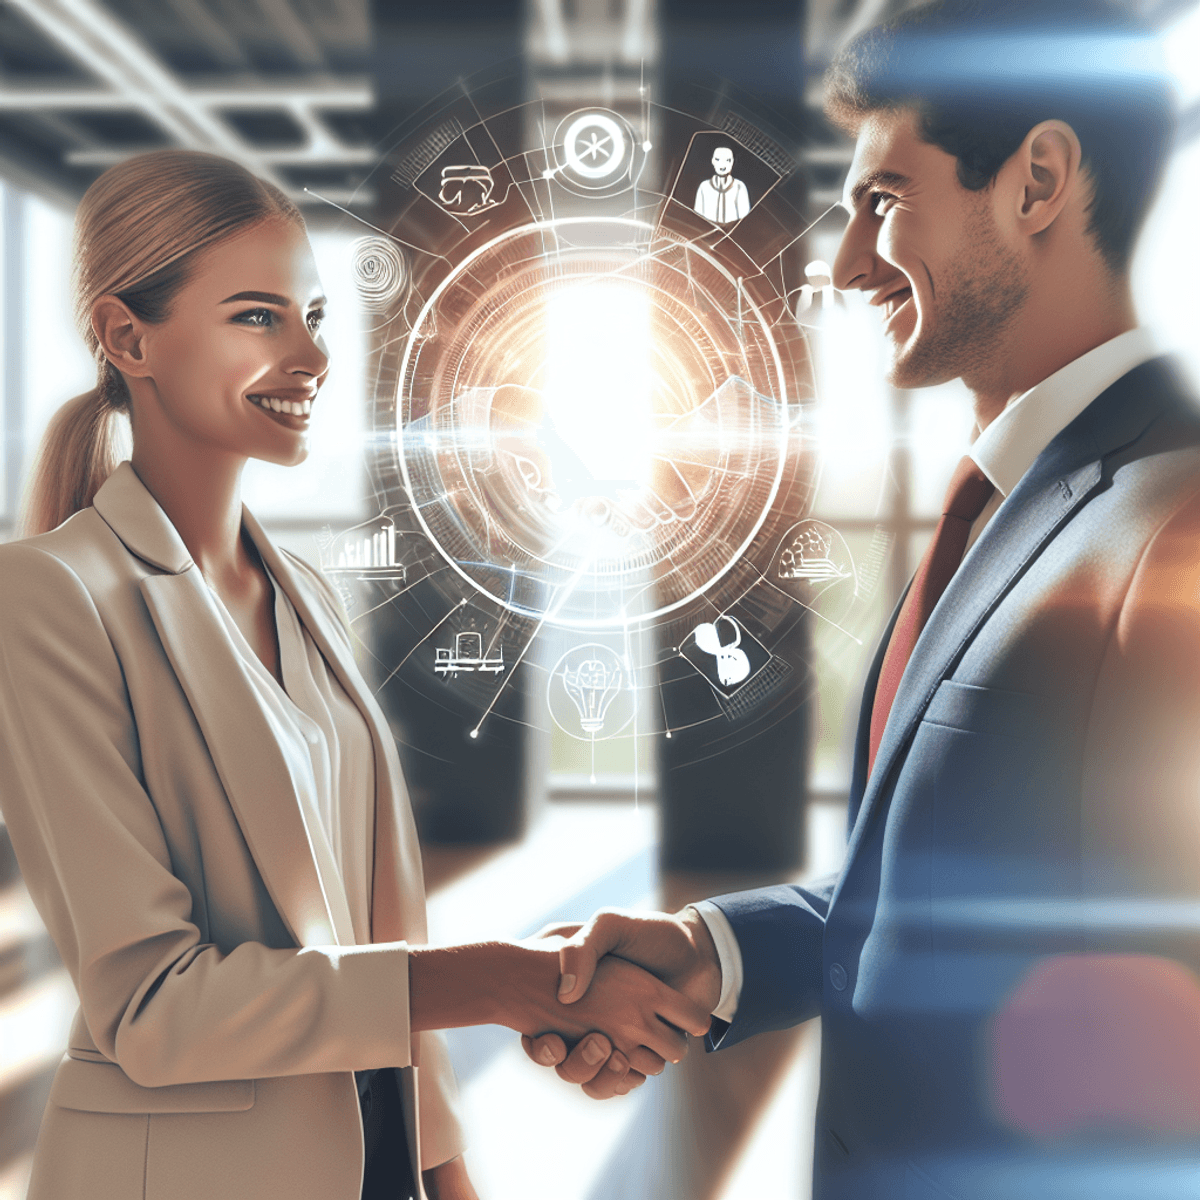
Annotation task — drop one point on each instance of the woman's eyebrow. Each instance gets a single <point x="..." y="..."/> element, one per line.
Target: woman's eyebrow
<point x="270" y="298"/>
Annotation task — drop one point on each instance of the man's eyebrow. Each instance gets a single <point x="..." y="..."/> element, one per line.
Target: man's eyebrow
<point x="270" y="298"/>
<point x="875" y="181"/>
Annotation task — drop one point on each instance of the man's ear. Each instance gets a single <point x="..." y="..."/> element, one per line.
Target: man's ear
<point x="1049" y="172"/>
<point x="121" y="336"/>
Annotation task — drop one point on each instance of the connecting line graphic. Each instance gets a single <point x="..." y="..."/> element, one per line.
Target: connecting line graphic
<point x="461" y="604"/>
<point x="396" y="595"/>
<point x="634" y="692"/>
<point x="804" y="233"/>
<point x="828" y="620"/>
<point x="550" y="613"/>
<point x="382" y="232"/>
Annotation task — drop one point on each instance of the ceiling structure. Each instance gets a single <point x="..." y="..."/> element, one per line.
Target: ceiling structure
<point x="279" y="85"/>
<point x="301" y="90"/>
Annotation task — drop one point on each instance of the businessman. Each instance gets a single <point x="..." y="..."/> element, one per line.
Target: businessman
<point x="1005" y="964"/>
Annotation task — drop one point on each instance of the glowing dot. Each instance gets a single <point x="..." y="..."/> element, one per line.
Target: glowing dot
<point x="647" y="147"/>
<point x="462" y="603"/>
<point x="474" y="733"/>
<point x="549" y="172"/>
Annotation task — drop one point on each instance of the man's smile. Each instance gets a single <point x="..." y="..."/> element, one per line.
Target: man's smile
<point x="892" y="301"/>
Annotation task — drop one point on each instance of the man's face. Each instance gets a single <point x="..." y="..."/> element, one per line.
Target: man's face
<point x="929" y="253"/>
<point x="722" y="161"/>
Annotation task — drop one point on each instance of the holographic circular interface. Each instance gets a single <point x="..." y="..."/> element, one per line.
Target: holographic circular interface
<point x="595" y="434"/>
<point x="591" y="391"/>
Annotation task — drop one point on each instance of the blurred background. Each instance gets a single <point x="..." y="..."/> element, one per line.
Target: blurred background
<point x="302" y="92"/>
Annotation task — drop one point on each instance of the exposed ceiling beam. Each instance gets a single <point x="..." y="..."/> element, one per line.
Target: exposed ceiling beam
<point x="105" y="47"/>
<point x="190" y="116"/>
<point x="215" y="38"/>
<point x="304" y="93"/>
<point x="294" y="34"/>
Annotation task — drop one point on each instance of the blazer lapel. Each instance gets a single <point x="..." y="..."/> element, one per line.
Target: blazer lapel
<point x="1060" y="480"/>
<point x="240" y="738"/>
<point x="397" y="888"/>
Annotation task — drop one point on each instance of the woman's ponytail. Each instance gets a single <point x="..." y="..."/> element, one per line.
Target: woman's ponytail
<point x="139" y="231"/>
<point x="80" y="449"/>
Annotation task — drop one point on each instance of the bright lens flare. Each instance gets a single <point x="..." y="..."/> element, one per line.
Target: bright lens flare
<point x="599" y="382"/>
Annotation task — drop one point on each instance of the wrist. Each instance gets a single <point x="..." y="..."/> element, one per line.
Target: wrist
<point x="452" y="987"/>
<point x="704" y="984"/>
<point x="523" y="983"/>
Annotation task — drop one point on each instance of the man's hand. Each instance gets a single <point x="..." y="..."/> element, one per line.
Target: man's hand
<point x="633" y="1008"/>
<point x="675" y="947"/>
<point x="678" y="949"/>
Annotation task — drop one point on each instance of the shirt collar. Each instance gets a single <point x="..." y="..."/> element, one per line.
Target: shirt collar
<point x="1007" y="448"/>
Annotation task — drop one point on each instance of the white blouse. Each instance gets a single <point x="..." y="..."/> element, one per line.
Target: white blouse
<point x="328" y="749"/>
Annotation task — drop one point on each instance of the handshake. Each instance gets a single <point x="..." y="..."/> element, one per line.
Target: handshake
<point x="628" y="987"/>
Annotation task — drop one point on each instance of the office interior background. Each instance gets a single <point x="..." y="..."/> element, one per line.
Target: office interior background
<point x="303" y="92"/>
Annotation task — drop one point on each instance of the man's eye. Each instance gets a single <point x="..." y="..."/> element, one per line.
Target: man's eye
<point x="881" y="202"/>
<point x="315" y="318"/>
<point x="264" y="318"/>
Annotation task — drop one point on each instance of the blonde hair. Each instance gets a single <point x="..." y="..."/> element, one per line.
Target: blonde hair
<point x="139" y="232"/>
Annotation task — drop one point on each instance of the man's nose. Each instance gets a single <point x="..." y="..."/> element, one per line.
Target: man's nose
<point x="856" y="255"/>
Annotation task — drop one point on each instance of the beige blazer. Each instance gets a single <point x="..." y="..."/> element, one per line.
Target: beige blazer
<point x="223" y="1002"/>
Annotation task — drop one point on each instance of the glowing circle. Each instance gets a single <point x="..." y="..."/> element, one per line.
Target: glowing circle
<point x="605" y="148"/>
<point x="591" y="435"/>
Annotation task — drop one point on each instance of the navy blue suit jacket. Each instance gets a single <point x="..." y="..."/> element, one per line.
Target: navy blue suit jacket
<point x="1029" y="776"/>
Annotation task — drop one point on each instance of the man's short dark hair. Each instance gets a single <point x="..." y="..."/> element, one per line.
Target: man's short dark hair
<point x="980" y="75"/>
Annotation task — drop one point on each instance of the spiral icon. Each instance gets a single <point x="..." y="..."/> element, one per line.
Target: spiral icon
<point x="380" y="272"/>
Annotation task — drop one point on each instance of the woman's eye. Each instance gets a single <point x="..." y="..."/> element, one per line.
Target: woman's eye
<point x="264" y="318"/>
<point x="881" y="203"/>
<point x="315" y="318"/>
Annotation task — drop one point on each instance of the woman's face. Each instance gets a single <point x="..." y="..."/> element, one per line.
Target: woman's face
<point x="239" y="362"/>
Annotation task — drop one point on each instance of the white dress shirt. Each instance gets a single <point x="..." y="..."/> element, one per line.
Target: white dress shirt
<point x="1004" y="451"/>
<point x="328" y="747"/>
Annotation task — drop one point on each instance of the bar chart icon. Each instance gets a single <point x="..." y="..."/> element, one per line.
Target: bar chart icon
<point x="367" y="552"/>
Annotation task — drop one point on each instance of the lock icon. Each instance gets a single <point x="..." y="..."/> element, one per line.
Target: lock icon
<point x="732" y="664"/>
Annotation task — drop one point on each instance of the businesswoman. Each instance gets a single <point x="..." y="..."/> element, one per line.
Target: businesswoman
<point x="203" y="797"/>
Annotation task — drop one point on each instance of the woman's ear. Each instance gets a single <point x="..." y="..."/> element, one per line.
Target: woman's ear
<point x="121" y="336"/>
<point x="1048" y="170"/>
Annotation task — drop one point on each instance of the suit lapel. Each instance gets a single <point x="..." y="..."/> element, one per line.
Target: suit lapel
<point x="397" y="893"/>
<point x="245" y="750"/>
<point x="241" y="740"/>
<point x="1060" y="480"/>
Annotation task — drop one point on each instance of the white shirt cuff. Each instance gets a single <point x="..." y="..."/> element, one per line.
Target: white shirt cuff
<point x="728" y="953"/>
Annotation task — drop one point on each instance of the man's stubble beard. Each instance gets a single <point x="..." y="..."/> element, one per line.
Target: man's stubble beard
<point x="974" y="306"/>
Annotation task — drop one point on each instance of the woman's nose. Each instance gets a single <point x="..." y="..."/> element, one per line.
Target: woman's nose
<point x="311" y="357"/>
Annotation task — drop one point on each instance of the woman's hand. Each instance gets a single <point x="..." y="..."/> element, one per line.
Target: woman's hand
<point x="516" y="984"/>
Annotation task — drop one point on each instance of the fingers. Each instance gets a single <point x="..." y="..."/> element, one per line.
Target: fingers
<point x="667" y="1043"/>
<point x="601" y="1071"/>
<point x="547" y="1051"/>
<point x="646" y="1062"/>
<point x="683" y="1012"/>
<point x="588" y="1059"/>
<point x="578" y="958"/>
<point x="616" y="1079"/>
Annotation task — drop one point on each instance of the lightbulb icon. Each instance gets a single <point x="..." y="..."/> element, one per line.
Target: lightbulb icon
<point x="592" y="686"/>
<point x="590" y="692"/>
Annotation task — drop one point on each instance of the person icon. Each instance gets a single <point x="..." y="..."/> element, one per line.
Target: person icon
<point x="722" y="199"/>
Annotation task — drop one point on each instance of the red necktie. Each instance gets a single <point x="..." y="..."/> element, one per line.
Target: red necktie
<point x="966" y="498"/>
